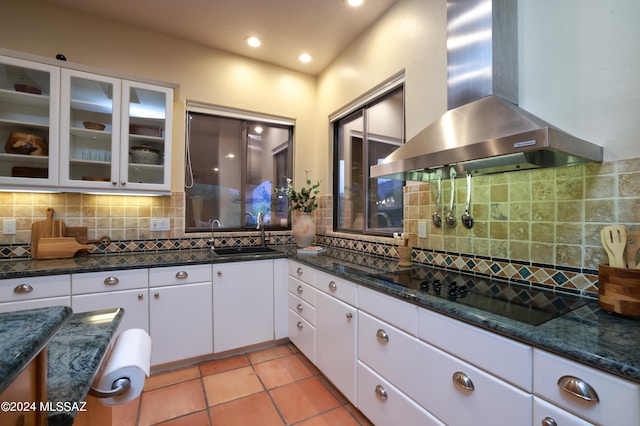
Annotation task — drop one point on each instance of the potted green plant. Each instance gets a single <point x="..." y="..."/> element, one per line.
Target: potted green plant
<point x="303" y="201"/>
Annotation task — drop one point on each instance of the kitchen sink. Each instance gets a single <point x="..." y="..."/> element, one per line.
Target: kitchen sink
<point x="243" y="250"/>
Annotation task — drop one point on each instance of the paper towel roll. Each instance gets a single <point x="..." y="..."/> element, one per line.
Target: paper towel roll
<point x="130" y="358"/>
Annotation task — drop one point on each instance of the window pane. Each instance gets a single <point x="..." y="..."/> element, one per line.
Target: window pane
<point x="350" y="173"/>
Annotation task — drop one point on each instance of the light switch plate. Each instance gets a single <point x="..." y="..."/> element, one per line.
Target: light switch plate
<point x="9" y="227"/>
<point x="422" y="229"/>
<point x="160" y="224"/>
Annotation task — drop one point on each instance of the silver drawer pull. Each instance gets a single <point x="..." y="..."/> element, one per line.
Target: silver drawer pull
<point x="381" y="393"/>
<point x="299" y="307"/>
<point x="462" y="381"/>
<point x="578" y="388"/>
<point x="111" y="281"/>
<point x="23" y="289"/>
<point x="333" y="286"/>
<point x="299" y="271"/>
<point x="181" y="275"/>
<point x="299" y="325"/>
<point x="382" y="336"/>
<point x="548" y="421"/>
<point x="299" y="289"/>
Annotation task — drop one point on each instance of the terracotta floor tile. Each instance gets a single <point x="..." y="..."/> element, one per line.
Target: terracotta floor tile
<point x="268" y="354"/>
<point x="303" y="399"/>
<point x="229" y="385"/>
<point x="226" y="364"/>
<point x="171" y="377"/>
<point x="337" y="417"/>
<point x="334" y="391"/>
<point x="358" y="415"/>
<point x="281" y="371"/>
<point x="252" y="410"/>
<point x="126" y="414"/>
<point x="171" y="401"/>
<point x="201" y="418"/>
<point x="314" y="370"/>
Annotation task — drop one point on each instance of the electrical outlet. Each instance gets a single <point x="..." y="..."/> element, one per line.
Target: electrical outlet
<point x="9" y="227"/>
<point x="422" y="229"/>
<point x="160" y="225"/>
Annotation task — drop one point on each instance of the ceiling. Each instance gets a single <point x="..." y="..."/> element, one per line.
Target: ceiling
<point x="287" y="28"/>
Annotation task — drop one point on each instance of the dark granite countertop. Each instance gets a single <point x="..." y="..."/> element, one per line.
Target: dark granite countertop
<point x="75" y="354"/>
<point x="23" y="334"/>
<point x="588" y="334"/>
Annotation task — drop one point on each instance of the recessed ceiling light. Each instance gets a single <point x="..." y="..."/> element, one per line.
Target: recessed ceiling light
<point x="305" y="57"/>
<point x="258" y="129"/>
<point x="254" y="42"/>
<point x="354" y="3"/>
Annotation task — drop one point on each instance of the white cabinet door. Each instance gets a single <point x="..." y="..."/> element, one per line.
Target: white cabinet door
<point x="336" y="328"/>
<point x="145" y="160"/>
<point x="180" y="322"/>
<point x="29" y="102"/>
<point x="86" y="152"/>
<point x="243" y="312"/>
<point x="134" y="303"/>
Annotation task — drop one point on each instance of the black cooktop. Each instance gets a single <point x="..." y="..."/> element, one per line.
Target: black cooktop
<point x="513" y="301"/>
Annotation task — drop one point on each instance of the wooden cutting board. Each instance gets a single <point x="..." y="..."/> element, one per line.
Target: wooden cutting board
<point x="78" y="232"/>
<point x="59" y="247"/>
<point x="47" y="228"/>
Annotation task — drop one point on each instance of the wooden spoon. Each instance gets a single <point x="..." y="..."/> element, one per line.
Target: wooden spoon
<point x="615" y="236"/>
<point x="632" y="248"/>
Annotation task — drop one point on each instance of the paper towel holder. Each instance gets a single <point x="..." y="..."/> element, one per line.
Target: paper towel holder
<point x="118" y="387"/>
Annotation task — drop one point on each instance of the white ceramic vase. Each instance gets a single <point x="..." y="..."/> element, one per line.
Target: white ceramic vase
<point x="304" y="230"/>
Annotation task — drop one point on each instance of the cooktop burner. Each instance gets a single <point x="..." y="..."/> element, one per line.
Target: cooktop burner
<point x="512" y="301"/>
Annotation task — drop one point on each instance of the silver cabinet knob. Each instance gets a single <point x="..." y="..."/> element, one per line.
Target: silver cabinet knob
<point x="462" y="381"/>
<point x="299" y="307"/>
<point x="349" y="315"/>
<point x="114" y="183"/>
<point x="578" y="388"/>
<point x="548" y="421"/>
<point x="381" y="393"/>
<point x="140" y="296"/>
<point x="333" y="286"/>
<point x="219" y="273"/>
<point x="382" y="336"/>
<point x="299" y="325"/>
<point x="156" y="295"/>
<point x="299" y="289"/>
<point x="23" y="289"/>
<point x="181" y="275"/>
<point x="123" y="183"/>
<point x="299" y="271"/>
<point x="111" y="281"/>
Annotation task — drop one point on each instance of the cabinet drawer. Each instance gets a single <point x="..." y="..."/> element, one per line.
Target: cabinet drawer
<point x="617" y="398"/>
<point x="302" y="272"/>
<point x="174" y="275"/>
<point x="384" y="404"/>
<point x="97" y="282"/>
<point x="302" y="290"/>
<point x="302" y="308"/>
<point x="394" y="311"/>
<point x="463" y="340"/>
<point x="544" y="413"/>
<point x="337" y="287"/>
<point x="134" y="303"/>
<point x="15" y="289"/>
<point x="303" y="335"/>
<point x="35" y="304"/>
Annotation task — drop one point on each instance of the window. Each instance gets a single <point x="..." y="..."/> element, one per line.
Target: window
<point x="363" y="138"/>
<point x="234" y="164"/>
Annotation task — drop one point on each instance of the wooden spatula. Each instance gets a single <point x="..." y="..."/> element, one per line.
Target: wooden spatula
<point x="633" y="245"/>
<point x="615" y="237"/>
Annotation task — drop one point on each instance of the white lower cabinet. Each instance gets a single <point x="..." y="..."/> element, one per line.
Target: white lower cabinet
<point x="243" y="304"/>
<point x="17" y="294"/>
<point x="180" y="314"/>
<point x="302" y="311"/>
<point x="336" y="331"/>
<point x="383" y="404"/>
<point x="546" y="414"/>
<point x="594" y="395"/>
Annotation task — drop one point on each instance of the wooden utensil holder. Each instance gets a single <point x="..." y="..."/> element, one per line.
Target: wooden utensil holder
<point x="619" y="290"/>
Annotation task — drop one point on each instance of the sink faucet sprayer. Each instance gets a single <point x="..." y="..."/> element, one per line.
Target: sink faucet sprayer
<point x="260" y="226"/>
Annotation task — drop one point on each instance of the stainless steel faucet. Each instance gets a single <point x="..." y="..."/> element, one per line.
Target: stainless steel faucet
<point x="260" y="226"/>
<point x="212" y="241"/>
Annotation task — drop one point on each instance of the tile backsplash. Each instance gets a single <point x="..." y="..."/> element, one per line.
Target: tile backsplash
<point x="538" y="226"/>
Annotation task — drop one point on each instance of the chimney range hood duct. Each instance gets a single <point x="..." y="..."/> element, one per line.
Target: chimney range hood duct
<point x="484" y="131"/>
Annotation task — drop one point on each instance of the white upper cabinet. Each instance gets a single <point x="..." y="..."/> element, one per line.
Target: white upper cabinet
<point x="74" y="130"/>
<point x="29" y="100"/>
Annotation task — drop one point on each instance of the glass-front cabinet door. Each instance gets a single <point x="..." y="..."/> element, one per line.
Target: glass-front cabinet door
<point x="29" y="99"/>
<point x="146" y="137"/>
<point x="90" y="130"/>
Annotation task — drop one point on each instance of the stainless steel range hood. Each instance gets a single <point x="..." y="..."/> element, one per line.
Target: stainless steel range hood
<point x="484" y="131"/>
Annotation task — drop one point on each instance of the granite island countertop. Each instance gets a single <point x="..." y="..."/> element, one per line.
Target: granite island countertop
<point x="588" y="334"/>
